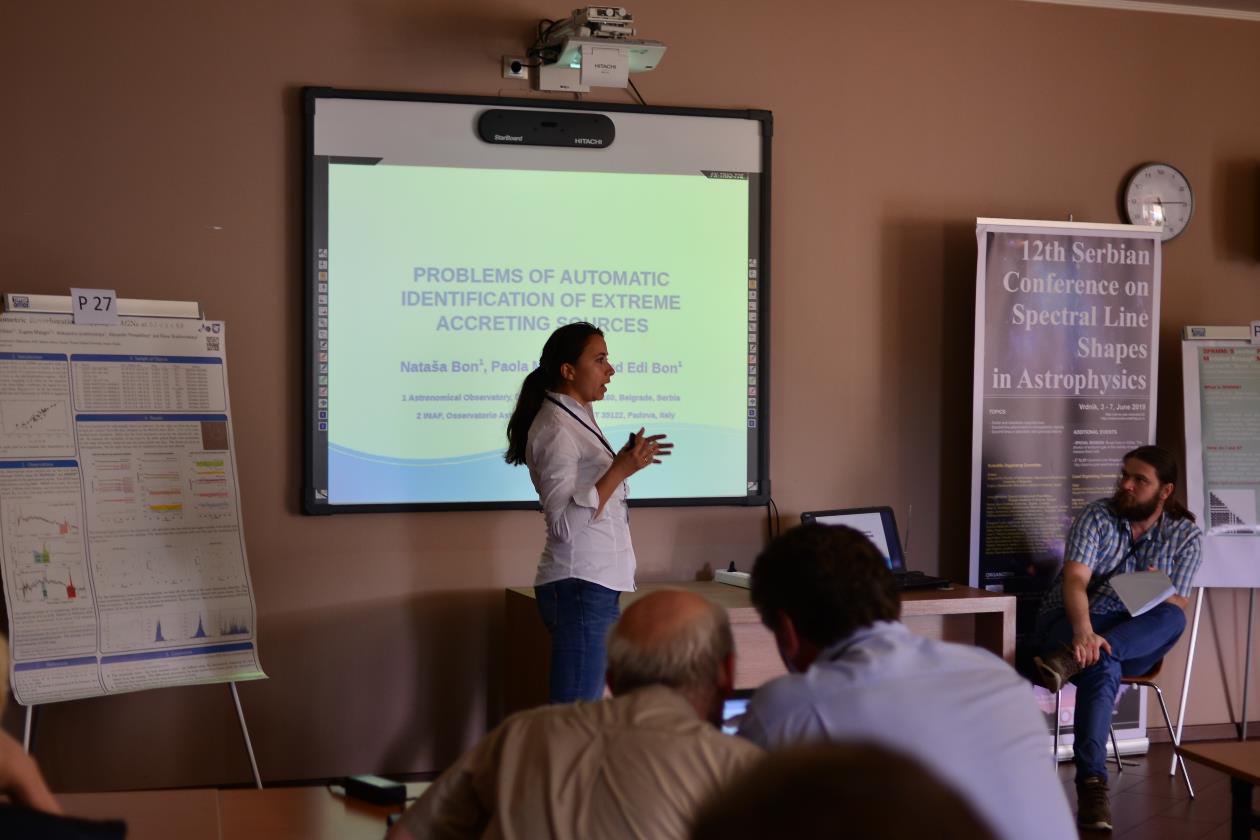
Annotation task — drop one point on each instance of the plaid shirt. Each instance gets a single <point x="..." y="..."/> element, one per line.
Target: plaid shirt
<point x="1104" y="541"/>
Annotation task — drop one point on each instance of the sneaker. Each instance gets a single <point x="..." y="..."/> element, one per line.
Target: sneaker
<point x="1055" y="669"/>
<point x="1093" y="808"/>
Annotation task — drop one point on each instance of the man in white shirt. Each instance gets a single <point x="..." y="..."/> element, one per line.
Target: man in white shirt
<point x="858" y="674"/>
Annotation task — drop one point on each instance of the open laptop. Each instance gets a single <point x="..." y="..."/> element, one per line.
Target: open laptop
<point x="880" y="527"/>
<point x="734" y="708"/>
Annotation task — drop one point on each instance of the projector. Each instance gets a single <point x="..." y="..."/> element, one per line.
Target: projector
<point x="594" y="47"/>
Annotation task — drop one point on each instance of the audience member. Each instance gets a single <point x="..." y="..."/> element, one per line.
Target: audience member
<point x="636" y="765"/>
<point x="821" y="791"/>
<point x="20" y="778"/>
<point x="857" y="673"/>
<point x="1086" y="633"/>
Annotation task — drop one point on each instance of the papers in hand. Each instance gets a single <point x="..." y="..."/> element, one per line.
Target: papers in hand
<point x="1140" y="591"/>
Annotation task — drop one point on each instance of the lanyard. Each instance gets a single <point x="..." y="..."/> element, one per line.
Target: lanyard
<point x="569" y="411"/>
<point x="598" y="436"/>
<point x="1119" y="567"/>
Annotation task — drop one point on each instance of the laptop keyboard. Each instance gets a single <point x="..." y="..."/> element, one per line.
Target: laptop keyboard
<point x="917" y="580"/>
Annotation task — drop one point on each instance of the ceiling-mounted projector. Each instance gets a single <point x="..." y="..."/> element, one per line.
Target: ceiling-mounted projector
<point x="594" y="47"/>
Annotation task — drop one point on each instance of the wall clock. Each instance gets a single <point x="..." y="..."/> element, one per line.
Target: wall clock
<point x="1158" y="194"/>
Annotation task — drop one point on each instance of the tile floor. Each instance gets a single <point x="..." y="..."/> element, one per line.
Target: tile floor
<point x="1148" y="803"/>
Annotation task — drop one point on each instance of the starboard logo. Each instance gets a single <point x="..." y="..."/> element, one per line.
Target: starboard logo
<point x="509" y="138"/>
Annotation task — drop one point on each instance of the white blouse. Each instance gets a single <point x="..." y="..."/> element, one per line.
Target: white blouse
<point x="565" y="459"/>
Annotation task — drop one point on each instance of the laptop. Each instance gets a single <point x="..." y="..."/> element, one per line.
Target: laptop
<point x="733" y="710"/>
<point x="880" y="527"/>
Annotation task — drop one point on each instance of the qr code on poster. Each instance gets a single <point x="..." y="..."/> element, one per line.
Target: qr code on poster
<point x="212" y="342"/>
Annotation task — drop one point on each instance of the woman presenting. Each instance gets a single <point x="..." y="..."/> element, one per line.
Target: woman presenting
<point x="587" y="561"/>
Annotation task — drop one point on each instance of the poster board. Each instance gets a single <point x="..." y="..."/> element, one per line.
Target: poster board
<point x="122" y="551"/>
<point x="1064" y="383"/>
<point x="1221" y="390"/>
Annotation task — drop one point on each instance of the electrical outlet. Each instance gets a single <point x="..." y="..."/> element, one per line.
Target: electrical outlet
<point x="514" y="67"/>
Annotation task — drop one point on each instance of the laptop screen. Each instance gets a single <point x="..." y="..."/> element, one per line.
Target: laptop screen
<point x="877" y="523"/>
<point x="733" y="710"/>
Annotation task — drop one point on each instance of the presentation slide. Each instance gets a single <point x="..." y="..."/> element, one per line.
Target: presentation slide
<point x="437" y="286"/>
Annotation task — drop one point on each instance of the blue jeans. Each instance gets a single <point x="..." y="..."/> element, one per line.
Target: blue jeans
<point x="1136" y="645"/>
<point x="578" y="614"/>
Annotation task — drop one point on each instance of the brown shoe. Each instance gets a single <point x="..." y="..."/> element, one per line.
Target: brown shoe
<point x="1055" y="669"/>
<point x="1093" y="808"/>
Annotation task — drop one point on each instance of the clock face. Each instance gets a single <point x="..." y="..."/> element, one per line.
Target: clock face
<point x="1158" y="194"/>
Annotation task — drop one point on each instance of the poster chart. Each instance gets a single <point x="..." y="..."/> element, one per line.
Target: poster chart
<point x="1221" y="382"/>
<point x="121" y="547"/>
<point x="1066" y="343"/>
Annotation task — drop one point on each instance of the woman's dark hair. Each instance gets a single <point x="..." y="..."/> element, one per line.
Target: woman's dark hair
<point x="1165" y="465"/>
<point x="563" y="347"/>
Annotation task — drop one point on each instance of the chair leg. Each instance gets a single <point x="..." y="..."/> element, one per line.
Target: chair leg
<point x="1172" y="734"/>
<point x="1058" y="697"/>
<point x="1115" y="748"/>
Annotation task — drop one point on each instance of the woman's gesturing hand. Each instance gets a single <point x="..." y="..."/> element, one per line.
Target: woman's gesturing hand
<point x="642" y="450"/>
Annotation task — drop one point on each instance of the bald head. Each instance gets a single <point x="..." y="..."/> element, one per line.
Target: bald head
<point x="676" y="639"/>
<point x="657" y="618"/>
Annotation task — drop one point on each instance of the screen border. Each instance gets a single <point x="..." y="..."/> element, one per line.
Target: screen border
<point x="311" y="95"/>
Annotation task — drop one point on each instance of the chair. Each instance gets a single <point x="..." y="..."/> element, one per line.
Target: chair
<point x="1148" y="680"/>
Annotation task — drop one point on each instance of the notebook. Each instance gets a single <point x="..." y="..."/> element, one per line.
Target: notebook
<point x="1140" y="591"/>
<point x="880" y="527"/>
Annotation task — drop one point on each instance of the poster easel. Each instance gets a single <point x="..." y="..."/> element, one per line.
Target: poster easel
<point x="240" y="717"/>
<point x="120" y="540"/>
<point x="1222" y="363"/>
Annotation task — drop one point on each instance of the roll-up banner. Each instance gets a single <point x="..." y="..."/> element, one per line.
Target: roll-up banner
<point x="1067" y="341"/>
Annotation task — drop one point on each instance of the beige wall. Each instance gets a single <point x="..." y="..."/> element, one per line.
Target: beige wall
<point x="155" y="148"/>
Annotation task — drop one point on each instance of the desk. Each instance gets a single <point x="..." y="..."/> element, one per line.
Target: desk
<point x="300" y="813"/>
<point x="1241" y="760"/>
<point x="931" y="612"/>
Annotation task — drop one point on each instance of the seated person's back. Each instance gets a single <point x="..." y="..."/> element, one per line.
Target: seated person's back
<point x="636" y="765"/>
<point x="828" y="597"/>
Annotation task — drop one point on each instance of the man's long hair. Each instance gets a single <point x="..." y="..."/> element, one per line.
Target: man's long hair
<point x="1165" y="465"/>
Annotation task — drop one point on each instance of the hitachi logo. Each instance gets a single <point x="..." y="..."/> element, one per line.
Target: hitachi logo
<point x="588" y="141"/>
<point x="598" y="66"/>
<point x="510" y="138"/>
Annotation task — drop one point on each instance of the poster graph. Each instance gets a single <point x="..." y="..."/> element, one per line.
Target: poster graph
<point x="121" y="546"/>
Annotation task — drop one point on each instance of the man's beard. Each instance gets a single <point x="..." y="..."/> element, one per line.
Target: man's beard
<point x="1126" y="507"/>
